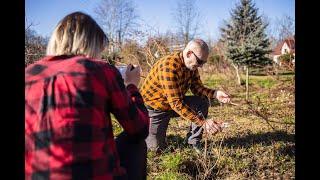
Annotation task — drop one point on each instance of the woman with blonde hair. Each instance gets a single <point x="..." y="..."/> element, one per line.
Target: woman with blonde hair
<point x="69" y="97"/>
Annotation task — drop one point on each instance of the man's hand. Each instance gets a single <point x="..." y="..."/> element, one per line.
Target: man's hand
<point x="212" y="127"/>
<point x="132" y="75"/>
<point x="222" y="96"/>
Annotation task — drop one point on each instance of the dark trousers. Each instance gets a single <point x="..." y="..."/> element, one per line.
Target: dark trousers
<point x="159" y="121"/>
<point x="133" y="157"/>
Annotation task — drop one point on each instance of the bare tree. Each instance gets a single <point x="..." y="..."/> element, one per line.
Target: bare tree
<point x="285" y="27"/>
<point x="155" y="48"/>
<point x="187" y="18"/>
<point x="270" y="31"/>
<point x="118" y="19"/>
<point x="35" y="45"/>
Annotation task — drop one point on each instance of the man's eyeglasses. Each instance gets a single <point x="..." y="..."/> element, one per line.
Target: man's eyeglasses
<point x="199" y="61"/>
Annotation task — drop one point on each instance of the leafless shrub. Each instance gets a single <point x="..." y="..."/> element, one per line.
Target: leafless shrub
<point x="35" y="46"/>
<point x="154" y="49"/>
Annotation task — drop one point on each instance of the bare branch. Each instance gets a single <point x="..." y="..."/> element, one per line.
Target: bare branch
<point x="187" y="18"/>
<point x="118" y="18"/>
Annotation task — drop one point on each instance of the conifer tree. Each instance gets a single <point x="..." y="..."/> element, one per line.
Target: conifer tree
<point x="245" y="38"/>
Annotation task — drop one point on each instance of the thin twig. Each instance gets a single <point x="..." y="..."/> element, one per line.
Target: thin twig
<point x="233" y="103"/>
<point x="259" y="114"/>
<point x="118" y="62"/>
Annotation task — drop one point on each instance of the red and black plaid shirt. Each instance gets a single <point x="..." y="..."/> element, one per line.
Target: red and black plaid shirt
<point x="68" y="130"/>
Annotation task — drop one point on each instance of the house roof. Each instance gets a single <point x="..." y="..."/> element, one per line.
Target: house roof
<point x="289" y="41"/>
<point x="277" y="49"/>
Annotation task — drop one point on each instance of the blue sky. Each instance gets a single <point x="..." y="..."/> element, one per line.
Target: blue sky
<point x="45" y="14"/>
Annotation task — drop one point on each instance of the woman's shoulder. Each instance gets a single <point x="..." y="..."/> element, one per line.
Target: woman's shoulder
<point x="92" y="63"/>
<point x="71" y="64"/>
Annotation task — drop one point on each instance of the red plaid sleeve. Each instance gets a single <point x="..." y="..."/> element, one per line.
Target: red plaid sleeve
<point x="127" y="106"/>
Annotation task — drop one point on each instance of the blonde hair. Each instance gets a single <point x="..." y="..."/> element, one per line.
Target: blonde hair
<point x="77" y="34"/>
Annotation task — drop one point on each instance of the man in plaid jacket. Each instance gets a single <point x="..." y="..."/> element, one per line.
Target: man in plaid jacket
<point x="164" y="92"/>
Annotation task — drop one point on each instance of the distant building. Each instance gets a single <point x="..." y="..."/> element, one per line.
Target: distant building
<point x="286" y="46"/>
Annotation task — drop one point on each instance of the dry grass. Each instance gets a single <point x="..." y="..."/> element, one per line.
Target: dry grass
<point x="259" y="144"/>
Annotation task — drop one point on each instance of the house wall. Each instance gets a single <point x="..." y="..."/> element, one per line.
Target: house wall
<point x="275" y="58"/>
<point x="285" y="48"/>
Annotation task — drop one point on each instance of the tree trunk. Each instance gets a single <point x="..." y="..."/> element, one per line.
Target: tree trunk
<point x="247" y="83"/>
<point x="237" y="72"/>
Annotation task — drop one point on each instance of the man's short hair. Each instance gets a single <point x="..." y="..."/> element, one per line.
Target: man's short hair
<point x="198" y="44"/>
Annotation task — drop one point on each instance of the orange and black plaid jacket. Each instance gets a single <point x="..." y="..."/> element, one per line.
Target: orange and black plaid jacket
<point x="167" y="83"/>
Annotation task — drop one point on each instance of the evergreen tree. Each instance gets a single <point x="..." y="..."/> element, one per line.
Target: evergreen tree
<point x="245" y="38"/>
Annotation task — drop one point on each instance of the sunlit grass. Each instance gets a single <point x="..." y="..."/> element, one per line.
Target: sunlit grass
<point x="249" y="148"/>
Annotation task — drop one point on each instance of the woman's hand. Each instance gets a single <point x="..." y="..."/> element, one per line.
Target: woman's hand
<point x="132" y="75"/>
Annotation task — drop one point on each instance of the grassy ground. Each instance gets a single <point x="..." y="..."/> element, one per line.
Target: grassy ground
<point x="259" y="144"/>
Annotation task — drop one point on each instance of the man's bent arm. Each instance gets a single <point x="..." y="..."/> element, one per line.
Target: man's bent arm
<point x="198" y="89"/>
<point x="172" y="91"/>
